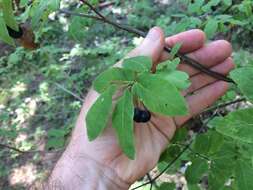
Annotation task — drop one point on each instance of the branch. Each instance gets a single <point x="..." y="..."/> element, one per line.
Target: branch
<point x="166" y="168"/>
<point x="224" y="105"/>
<point x="80" y="14"/>
<point x="194" y="152"/>
<point x="69" y="92"/>
<point x="13" y="148"/>
<point x="150" y="181"/>
<point x="105" y="4"/>
<point x="26" y="152"/>
<point x="187" y="60"/>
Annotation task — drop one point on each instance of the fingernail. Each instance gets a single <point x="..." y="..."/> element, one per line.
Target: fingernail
<point x="153" y="34"/>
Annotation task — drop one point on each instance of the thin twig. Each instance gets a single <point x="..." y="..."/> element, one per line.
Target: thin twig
<point x="105" y="4"/>
<point x="186" y="147"/>
<point x="150" y="181"/>
<point x="69" y="92"/>
<point x="93" y="9"/>
<point x="187" y="60"/>
<point x="167" y="167"/>
<point x="12" y="148"/>
<point x="28" y="152"/>
<point x="190" y="149"/>
<point x="79" y="14"/>
<point x="224" y="105"/>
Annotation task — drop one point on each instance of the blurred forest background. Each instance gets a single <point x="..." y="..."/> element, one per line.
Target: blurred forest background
<point x="41" y="91"/>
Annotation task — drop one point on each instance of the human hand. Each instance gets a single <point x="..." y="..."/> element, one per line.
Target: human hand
<point x="104" y="154"/>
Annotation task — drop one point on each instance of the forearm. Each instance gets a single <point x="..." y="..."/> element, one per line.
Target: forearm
<point x="80" y="172"/>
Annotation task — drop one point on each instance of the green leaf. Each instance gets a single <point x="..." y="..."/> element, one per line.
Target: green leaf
<point x="116" y="75"/>
<point x="196" y="170"/>
<point x="122" y="121"/>
<point x="76" y="24"/>
<point x="227" y="2"/>
<point x="169" y="65"/>
<point x="55" y="142"/>
<point x="237" y="125"/>
<point x="195" y="7"/>
<point x="39" y="10"/>
<point x="8" y="14"/>
<point x="167" y="186"/>
<point x="23" y="3"/>
<point x="177" y="78"/>
<point x="159" y="96"/>
<point x="175" y="49"/>
<point x="98" y="115"/>
<point x="210" y="4"/>
<point x="216" y="178"/>
<point x="193" y="186"/>
<point x="243" y="174"/>
<point x="211" y="27"/>
<point x="138" y="64"/>
<point x="208" y="143"/>
<point x="244" y="77"/>
<point x="180" y="135"/>
<point x="54" y="5"/>
<point x="4" y="35"/>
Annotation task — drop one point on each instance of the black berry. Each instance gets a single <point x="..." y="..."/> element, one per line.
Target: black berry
<point x="141" y="116"/>
<point x="15" y="34"/>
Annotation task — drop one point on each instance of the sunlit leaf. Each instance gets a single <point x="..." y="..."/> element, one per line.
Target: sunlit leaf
<point x="237" y="125"/>
<point x="138" y="64"/>
<point x="159" y="96"/>
<point x="4" y="35"/>
<point x="244" y="77"/>
<point x="196" y="170"/>
<point x="98" y="115"/>
<point x="112" y="76"/>
<point x="122" y="122"/>
<point x="211" y="27"/>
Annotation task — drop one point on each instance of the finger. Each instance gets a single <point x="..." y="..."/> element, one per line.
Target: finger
<point x="151" y="46"/>
<point x="191" y="40"/>
<point x="209" y="55"/>
<point x="201" y="80"/>
<point x="203" y="99"/>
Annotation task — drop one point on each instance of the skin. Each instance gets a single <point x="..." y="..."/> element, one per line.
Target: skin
<point x="100" y="164"/>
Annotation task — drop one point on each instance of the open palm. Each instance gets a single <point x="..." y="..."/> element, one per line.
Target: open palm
<point x="152" y="138"/>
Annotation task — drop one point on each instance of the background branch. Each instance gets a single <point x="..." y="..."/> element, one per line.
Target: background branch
<point x="12" y="148"/>
<point x="187" y="60"/>
<point x="224" y="105"/>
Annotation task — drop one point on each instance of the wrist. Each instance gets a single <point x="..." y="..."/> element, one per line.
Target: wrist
<point x="81" y="172"/>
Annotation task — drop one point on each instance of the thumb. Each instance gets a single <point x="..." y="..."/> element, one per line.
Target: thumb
<point x="151" y="46"/>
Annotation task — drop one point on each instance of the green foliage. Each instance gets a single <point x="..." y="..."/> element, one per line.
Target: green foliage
<point x="211" y="27"/>
<point x="196" y="170"/>
<point x="122" y="121"/>
<point x="97" y="117"/>
<point x="243" y="173"/>
<point x="167" y="186"/>
<point x="35" y="85"/>
<point x="139" y="84"/>
<point x="8" y="14"/>
<point x="244" y="77"/>
<point x="4" y="32"/>
<point x="113" y="76"/>
<point x="237" y="125"/>
<point x="159" y="95"/>
<point x="138" y="64"/>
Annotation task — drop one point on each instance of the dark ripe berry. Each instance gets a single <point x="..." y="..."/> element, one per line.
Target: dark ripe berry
<point x="141" y="116"/>
<point x="145" y="116"/>
<point x="137" y="115"/>
<point x="15" y="34"/>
